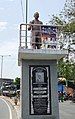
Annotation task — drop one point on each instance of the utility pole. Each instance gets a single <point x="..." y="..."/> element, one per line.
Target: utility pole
<point x="1" y="65"/>
<point x="2" y="56"/>
<point x="26" y="21"/>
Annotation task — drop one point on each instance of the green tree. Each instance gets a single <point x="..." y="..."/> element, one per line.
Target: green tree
<point x="61" y="68"/>
<point x="73" y="72"/>
<point x="66" y="21"/>
<point x="17" y="82"/>
<point x="69" y="14"/>
<point x="66" y="17"/>
<point x="66" y="70"/>
<point x="69" y="9"/>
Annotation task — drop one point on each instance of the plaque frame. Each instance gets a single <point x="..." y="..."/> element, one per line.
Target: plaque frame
<point x="35" y="94"/>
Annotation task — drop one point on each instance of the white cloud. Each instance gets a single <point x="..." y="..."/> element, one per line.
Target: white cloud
<point x="3" y="25"/>
<point x="2" y="8"/>
<point x="9" y="47"/>
<point x="9" y="0"/>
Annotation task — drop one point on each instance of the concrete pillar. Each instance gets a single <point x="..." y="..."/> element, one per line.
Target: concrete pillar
<point x="26" y="88"/>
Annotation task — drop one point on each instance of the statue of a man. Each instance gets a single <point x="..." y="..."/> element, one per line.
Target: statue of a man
<point x="35" y="27"/>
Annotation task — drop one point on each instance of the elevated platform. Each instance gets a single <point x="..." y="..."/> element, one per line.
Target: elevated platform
<point x="52" y="44"/>
<point x="40" y="54"/>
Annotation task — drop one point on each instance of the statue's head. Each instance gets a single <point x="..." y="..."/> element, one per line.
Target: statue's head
<point x="36" y="15"/>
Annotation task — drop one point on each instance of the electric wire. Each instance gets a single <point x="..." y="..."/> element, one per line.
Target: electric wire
<point x="22" y="10"/>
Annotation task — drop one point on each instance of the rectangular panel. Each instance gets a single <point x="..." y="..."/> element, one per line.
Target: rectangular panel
<point x="39" y="90"/>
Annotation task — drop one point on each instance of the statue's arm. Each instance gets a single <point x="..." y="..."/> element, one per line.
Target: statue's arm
<point x="30" y="26"/>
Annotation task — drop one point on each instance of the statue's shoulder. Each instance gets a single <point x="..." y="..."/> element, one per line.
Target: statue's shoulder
<point x="32" y="22"/>
<point x="40" y="22"/>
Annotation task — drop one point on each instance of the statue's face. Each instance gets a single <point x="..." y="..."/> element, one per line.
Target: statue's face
<point x="36" y="15"/>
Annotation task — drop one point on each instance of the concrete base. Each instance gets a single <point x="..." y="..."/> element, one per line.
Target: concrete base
<point x="25" y="113"/>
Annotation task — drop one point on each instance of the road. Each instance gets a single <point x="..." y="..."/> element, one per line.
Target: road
<point x="67" y="110"/>
<point x="6" y="110"/>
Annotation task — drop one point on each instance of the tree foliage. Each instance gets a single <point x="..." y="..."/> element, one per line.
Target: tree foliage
<point x="66" y="17"/>
<point x="66" y="21"/>
<point x="69" y="9"/>
<point x="66" y="70"/>
<point x="17" y="80"/>
<point x="69" y="15"/>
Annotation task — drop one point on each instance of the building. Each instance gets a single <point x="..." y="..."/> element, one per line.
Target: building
<point x="5" y="80"/>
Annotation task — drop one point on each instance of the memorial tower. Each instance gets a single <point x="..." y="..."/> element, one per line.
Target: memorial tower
<point x="39" y="89"/>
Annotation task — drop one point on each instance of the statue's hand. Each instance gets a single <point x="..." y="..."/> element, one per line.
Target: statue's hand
<point x="29" y="28"/>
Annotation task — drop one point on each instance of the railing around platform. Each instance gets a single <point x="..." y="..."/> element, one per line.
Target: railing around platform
<point x="49" y="36"/>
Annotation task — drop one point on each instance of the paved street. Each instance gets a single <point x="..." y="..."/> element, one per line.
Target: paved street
<point x="4" y="110"/>
<point x="7" y="111"/>
<point x="67" y="110"/>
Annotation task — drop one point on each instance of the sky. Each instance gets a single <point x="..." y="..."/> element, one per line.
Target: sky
<point x="12" y="14"/>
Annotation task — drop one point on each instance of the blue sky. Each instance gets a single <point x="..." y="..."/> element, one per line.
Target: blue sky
<point x="10" y="19"/>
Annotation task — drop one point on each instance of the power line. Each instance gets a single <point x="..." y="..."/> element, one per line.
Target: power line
<point x="22" y="10"/>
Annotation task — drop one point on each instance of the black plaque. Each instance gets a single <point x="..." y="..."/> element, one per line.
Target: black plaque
<point x="40" y="92"/>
